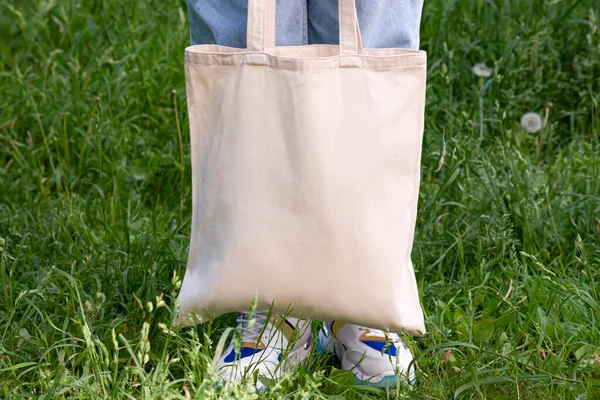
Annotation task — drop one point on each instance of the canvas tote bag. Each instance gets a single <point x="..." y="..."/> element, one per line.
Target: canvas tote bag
<point x="305" y="177"/>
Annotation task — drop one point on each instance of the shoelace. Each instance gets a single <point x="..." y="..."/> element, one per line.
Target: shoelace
<point x="251" y="333"/>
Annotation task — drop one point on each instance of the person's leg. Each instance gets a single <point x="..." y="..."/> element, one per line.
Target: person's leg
<point x="268" y="345"/>
<point x="223" y="22"/>
<point x="383" y="23"/>
<point x="372" y="355"/>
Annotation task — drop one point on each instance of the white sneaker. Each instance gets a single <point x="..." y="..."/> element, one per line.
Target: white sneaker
<point x="270" y="346"/>
<point x="375" y="358"/>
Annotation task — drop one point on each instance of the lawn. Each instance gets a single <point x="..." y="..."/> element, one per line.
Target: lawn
<point x="95" y="219"/>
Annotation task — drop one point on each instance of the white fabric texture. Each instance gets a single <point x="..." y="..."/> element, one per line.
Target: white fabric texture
<point x="306" y="167"/>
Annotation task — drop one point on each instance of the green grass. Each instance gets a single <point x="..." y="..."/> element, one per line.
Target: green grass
<point x="507" y="248"/>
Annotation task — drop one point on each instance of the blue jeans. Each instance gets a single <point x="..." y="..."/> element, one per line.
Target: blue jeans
<point x="383" y="23"/>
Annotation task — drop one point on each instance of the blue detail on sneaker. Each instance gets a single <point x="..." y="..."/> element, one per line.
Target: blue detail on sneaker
<point x="246" y="352"/>
<point x="380" y="345"/>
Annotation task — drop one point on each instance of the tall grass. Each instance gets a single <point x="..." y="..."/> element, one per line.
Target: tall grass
<point x="94" y="234"/>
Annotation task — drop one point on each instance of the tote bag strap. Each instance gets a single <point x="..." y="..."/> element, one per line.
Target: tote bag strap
<point x="260" y="34"/>
<point x="350" y="39"/>
<point x="261" y="27"/>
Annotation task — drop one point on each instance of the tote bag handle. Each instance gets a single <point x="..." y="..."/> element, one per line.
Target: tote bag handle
<point x="261" y="27"/>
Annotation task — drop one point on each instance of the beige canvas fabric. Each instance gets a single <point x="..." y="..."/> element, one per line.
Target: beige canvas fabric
<point x="305" y="177"/>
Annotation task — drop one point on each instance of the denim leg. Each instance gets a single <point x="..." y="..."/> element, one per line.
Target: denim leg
<point x="224" y="22"/>
<point x="383" y="23"/>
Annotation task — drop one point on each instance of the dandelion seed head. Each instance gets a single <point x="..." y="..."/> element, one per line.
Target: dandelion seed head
<point x="482" y="70"/>
<point x="531" y="122"/>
